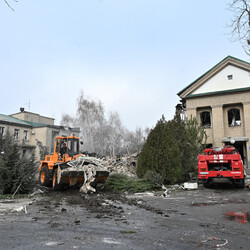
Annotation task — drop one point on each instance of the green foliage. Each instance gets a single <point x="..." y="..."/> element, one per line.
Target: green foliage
<point x="15" y="173"/>
<point x="171" y="150"/>
<point x="121" y="183"/>
<point x="152" y="177"/>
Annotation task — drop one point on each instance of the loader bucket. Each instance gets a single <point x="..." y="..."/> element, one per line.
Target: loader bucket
<point x="81" y="172"/>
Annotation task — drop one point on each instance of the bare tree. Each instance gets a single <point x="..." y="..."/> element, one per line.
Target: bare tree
<point x="68" y="120"/>
<point x="9" y="4"/>
<point x="116" y="133"/>
<point x="101" y="135"/>
<point x="240" y="23"/>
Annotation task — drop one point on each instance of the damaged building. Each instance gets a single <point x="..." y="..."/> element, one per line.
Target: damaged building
<point x="31" y="131"/>
<point x="220" y="101"/>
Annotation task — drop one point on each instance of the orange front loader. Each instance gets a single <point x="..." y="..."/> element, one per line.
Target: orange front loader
<point x="66" y="151"/>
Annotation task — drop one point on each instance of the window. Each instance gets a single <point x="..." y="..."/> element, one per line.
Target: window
<point x="2" y="130"/>
<point x="25" y="135"/>
<point x="205" y="119"/>
<point x="230" y="77"/>
<point x="233" y="117"/>
<point x="16" y="134"/>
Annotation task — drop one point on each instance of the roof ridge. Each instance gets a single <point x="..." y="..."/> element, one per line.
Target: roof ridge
<point x="211" y="70"/>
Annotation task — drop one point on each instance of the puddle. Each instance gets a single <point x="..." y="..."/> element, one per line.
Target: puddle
<point x="239" y="217"/>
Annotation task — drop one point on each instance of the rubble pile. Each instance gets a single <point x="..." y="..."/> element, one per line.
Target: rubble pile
<point x="125" y="164"/>
<point x="89" y="167"/>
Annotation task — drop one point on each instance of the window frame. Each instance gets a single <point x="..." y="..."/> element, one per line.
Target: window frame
<point x="16" y="134"/>
<point x="236" y="117"/>
<point x="202" y="122"/>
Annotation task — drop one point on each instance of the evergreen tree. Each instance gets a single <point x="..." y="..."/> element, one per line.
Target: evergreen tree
<point x="171" y="149"/>
<point x="15" y="173"/>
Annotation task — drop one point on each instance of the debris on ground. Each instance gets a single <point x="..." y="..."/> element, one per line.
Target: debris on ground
<point x="14" y="206"/>
<point x="144" y="194"/>
<point x="166" y="192"/>
<point x="190" y="185"/>
<point x="212" y="238"/>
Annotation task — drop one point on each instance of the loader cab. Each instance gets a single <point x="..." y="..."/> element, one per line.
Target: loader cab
<point x="67" y="145"/>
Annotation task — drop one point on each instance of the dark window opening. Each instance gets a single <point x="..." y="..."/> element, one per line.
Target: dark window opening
<point x="234" y="117"/>
<point x="205" y="119"/>
<point x="230" y="77"/>
<point x="16" y="134"/>
<point x="219" y="166"/>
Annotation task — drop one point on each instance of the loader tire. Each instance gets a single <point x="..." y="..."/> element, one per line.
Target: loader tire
<point x="55" y="185"/>
<point x="45" y="177"/>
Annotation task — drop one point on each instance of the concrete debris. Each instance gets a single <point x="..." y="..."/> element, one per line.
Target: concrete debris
<point x="190" y="185"/>
<point x="144" y="194"/>
<point x="14" y="206"/>
<point x="166" y="192"/>
<point x="38" y="191"/>
<point x="124" y="165"/>
<point x="54" y="243"/>
<point x="111" y="241"/>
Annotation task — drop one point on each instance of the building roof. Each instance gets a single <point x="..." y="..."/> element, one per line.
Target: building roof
<point x="28" y="112"/>
<point x="8" y="119"/>
<point x="229" y="60"/>
<point x="13" y="120"/>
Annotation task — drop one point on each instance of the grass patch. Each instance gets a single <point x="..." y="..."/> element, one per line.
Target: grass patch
<point x="17" y="196"/>
<point x="122" y="183"/>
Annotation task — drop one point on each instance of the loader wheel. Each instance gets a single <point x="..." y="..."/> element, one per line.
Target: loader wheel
<point x="45" y="177"/>
<point x="55" y="185"/>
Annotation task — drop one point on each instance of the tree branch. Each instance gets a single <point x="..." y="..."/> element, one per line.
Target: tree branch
<point x="9" y="4"/>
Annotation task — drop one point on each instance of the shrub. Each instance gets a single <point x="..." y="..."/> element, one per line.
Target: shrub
<point x="122" y="183"/>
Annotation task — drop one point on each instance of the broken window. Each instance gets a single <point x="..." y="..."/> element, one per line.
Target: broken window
<point x="234" y="117"/>
<point x="2" y="130"/>
<point x="205" y="119"/>
<point x="16" y="134"/>
<point x="25" y="135"/>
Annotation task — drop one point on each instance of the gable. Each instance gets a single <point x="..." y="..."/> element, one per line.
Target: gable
<point x="229" y="78"/>
<point x="216" y="80"/>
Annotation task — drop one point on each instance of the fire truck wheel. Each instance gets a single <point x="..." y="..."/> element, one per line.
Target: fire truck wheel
<point x="241" y="183"/>
<point x="45" y="177"/>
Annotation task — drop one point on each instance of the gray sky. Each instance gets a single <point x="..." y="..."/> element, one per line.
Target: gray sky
<point x="134" y="55"/>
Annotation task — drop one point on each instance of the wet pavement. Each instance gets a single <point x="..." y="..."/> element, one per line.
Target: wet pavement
<point x="200" y="219"/>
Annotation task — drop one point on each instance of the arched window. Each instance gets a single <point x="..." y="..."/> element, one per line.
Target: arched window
<point x="205" y="119"/>
<point x="233" y="117"/>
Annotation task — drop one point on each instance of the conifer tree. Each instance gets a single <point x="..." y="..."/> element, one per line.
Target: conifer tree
<point x="171" y="149"/>
<point x="16" y="174"/>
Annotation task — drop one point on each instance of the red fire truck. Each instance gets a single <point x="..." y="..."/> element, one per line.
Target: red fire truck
<point x="221" y="165"/>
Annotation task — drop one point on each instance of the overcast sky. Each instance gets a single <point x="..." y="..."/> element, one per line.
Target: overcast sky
<point x="132" y="55"/>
